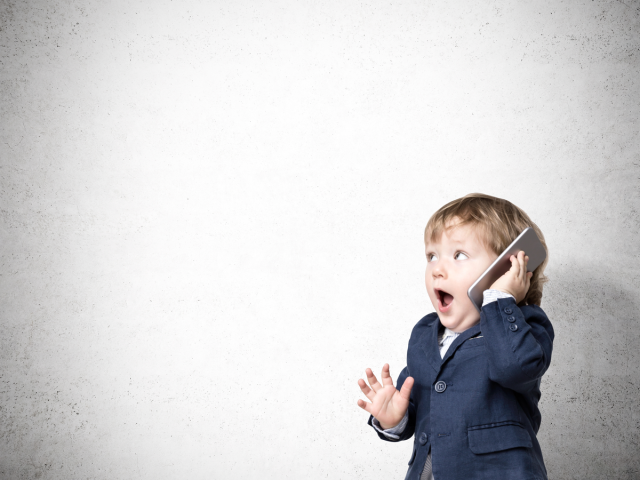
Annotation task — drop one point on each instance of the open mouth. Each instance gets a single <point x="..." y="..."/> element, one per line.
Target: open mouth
<point x="444" y="297"/>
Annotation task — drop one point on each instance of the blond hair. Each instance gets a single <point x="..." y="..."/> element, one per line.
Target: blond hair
<point x="498" y="223"/>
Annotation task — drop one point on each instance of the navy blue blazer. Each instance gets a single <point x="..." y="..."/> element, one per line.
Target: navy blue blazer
<point x="477" y="408"/>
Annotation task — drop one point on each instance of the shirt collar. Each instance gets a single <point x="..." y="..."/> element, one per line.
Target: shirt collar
<point x="448" y="333"/>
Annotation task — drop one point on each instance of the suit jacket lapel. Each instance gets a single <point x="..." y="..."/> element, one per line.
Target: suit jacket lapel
<point x="430" y="347"/>
<point x="470" y="332"/>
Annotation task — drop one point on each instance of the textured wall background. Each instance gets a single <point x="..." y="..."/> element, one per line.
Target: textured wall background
<point x="212" y="218"/>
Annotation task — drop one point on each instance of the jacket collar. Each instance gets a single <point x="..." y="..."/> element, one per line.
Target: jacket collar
<point x="431" y="348"/>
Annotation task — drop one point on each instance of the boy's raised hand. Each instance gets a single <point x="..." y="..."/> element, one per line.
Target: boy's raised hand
<point x="517" y="280"/>
<point x="388" y="405"/>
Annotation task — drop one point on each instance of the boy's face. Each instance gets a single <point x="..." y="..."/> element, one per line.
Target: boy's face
<point x="454" y="262"/>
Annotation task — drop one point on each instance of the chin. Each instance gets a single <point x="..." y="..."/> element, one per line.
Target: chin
<point x="450" y="323"/>
<point x="456" y="323"/>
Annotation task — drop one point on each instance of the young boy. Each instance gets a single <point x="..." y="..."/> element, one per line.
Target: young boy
<point x="471" y="386"/>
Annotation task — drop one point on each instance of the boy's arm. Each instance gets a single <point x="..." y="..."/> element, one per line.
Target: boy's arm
<point x="519" y="342"/>
<point x="398" y="433"/>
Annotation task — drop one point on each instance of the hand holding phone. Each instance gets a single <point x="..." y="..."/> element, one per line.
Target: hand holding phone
<point x="527" y="242"/>
<point x="517" y="279"/>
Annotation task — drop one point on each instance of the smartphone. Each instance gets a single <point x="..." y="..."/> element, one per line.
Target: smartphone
<point x="527" y="241"/>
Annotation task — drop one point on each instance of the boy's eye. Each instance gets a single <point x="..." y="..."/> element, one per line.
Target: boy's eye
<point x="457" y="256"/>
<point x="430" y="257"/>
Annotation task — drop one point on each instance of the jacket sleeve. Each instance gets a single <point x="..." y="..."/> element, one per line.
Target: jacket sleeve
<point x="519" y="341"/>
<point x="411" y="424"/>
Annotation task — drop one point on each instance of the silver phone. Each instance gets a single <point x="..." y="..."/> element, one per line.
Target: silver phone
<point x="527" y="241"/>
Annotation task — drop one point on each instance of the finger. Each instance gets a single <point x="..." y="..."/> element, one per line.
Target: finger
<point x="521" y="265"/>
<point x="364" y="405"/>
<point x="373" y="381"/>
<point x="405" y="391"/>
<point x="386" y="375"/>
<point x="366" y="390"/>
<point x="514" y="265"/>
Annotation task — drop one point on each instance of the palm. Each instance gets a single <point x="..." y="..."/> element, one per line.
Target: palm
<point x="388" y="405"/>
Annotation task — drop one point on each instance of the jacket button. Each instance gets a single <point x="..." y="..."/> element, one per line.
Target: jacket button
<point x="513" y="327"/>
<point x="508" y="311"/>
<point x="423" y="438"/>
<point x="441" y="386"/>
<point x="511" y="319"/>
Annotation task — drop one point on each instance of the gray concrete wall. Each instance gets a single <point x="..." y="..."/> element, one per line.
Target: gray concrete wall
<point x="212" y="218"/>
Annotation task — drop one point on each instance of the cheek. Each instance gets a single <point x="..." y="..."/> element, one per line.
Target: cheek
<point x="471" y="275"/>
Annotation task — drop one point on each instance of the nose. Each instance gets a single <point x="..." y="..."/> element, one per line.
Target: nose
<point x="439" y="270"/>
